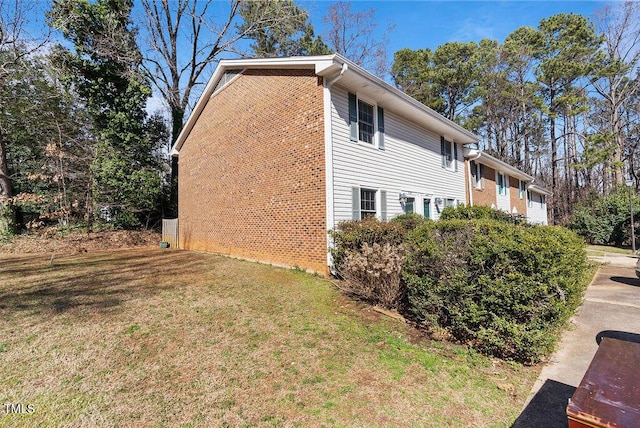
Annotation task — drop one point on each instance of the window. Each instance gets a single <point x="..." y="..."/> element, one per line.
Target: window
<point x="449" y="153"/>
<point x="409" y="206"/>
<point x="368" y="203"/>
<point x="427" y="208"/>
<point x="477" y="172"/>
<point x="542" y="201"/>
<point x="449" y="203"/>
<point x="502" y="184"/>
<point x="522" y="189"/>
<point x="364" y="120"/>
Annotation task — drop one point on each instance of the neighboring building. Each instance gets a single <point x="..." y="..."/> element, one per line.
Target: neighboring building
<point x="279" y="150"/>
<point x="492" y="182"/>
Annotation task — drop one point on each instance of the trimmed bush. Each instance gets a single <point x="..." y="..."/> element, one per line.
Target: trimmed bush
<point x="503" y="288"/>
<point x="477" y="212"/>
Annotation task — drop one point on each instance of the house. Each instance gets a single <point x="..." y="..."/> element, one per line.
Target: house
<point x="492" y="182"/>
<point x="278" y="151"/>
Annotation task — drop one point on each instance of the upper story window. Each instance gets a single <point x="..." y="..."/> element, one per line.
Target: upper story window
<point x="366" y="122"/>
<point x="477" y="172"/>
<point x="449" y="153"/>
<point x="501" y="181"/>
<point x="522" y="189"/>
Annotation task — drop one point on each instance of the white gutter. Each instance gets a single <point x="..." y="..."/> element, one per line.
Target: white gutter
<point x="474" y="154"/>
<point x="538" y="189"/>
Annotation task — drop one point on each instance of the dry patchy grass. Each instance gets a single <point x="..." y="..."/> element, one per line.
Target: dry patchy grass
<point x="148" y="337"/>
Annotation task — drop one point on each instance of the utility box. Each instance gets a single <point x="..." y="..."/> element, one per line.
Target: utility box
<point x="609" y="394"/>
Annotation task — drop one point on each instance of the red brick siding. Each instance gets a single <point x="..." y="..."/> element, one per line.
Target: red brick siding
<point x="519" y="204"/>
<point x="487" y="195"/>
<point x="252" y="171"/>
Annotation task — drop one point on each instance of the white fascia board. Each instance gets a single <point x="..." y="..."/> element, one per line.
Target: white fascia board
<point x="390" y="97"/>
<point x="497" y="164"/>
<point x="538" y="189"/>
<point x="330" y="66"/>
<point x="320" y="64"/>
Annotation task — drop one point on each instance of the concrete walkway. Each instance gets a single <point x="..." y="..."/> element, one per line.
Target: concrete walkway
<point x="611" y="309"/>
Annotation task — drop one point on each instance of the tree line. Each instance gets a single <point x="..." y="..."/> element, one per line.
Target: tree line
<point x="559" y="101"/>
<point x="78" y="147"/>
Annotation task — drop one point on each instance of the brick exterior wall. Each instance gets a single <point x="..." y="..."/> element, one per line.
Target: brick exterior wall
<point x="252" y="171"/>
<point x="519" y="204"/>
<point x="487" y="195"/>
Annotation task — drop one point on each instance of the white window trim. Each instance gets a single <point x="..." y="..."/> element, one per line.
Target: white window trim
<point x="381" y="213"/>
<point x="505" y="187"/>
<point x="452" y="164"/>
<point x="477" y="176"/>
<point x="376" y="201"/>
<point x="375" y="142"/>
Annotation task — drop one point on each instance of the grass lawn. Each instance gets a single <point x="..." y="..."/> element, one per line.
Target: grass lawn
<point x="600" y="250"/>
<point x="148" y="337"/>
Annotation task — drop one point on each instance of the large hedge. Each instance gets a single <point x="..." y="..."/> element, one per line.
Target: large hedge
<point x="501" y="286"/>
<point x="504" y="289"/>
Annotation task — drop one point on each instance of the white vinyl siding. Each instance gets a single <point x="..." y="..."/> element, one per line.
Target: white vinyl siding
<point x="503" y="201"/>
<point x="411" y="162"/>
<point x="536" y="208"/>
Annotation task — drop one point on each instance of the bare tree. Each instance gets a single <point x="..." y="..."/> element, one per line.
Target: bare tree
<point x="186" y="36"/>
<point x="354" y="35"/>
<point x="617" y="83"/>
<point x="15" y="45"/>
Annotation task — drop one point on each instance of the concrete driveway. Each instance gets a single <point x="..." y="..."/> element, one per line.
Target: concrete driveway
<point x="611" y="309"/>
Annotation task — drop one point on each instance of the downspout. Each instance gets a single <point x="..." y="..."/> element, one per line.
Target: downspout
<point x="328" y="156"/>
<point x="469" y="181"/>
<point x="330" y="83"/>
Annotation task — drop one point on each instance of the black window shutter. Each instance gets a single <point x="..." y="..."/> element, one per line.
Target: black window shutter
<point x="442" y="153"/>
<point x="353" y="117"/>
<point x="380" y="128"/>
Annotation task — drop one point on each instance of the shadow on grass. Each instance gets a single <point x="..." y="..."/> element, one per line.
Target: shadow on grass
<point x="548" y="408"/>
<point x="89" y="282"/>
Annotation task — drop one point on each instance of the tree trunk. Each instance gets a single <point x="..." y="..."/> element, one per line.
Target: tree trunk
<point x="554" y="167"/>
<point x="7" y="211"/>
<point x="177" y="116"/>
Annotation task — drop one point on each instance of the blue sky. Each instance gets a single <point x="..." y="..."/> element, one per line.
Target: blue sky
<point x="422" y="24"/>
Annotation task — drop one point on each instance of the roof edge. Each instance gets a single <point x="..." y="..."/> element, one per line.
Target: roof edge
<point x="539" y="189"/>
<point x="487" y="159"/>
<point x="324" y="66"/>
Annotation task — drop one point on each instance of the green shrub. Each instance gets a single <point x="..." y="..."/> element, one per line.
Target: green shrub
<point x="505" y="289"/>
<point x="606" y="219"/>
<point x="477" y="212"/>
